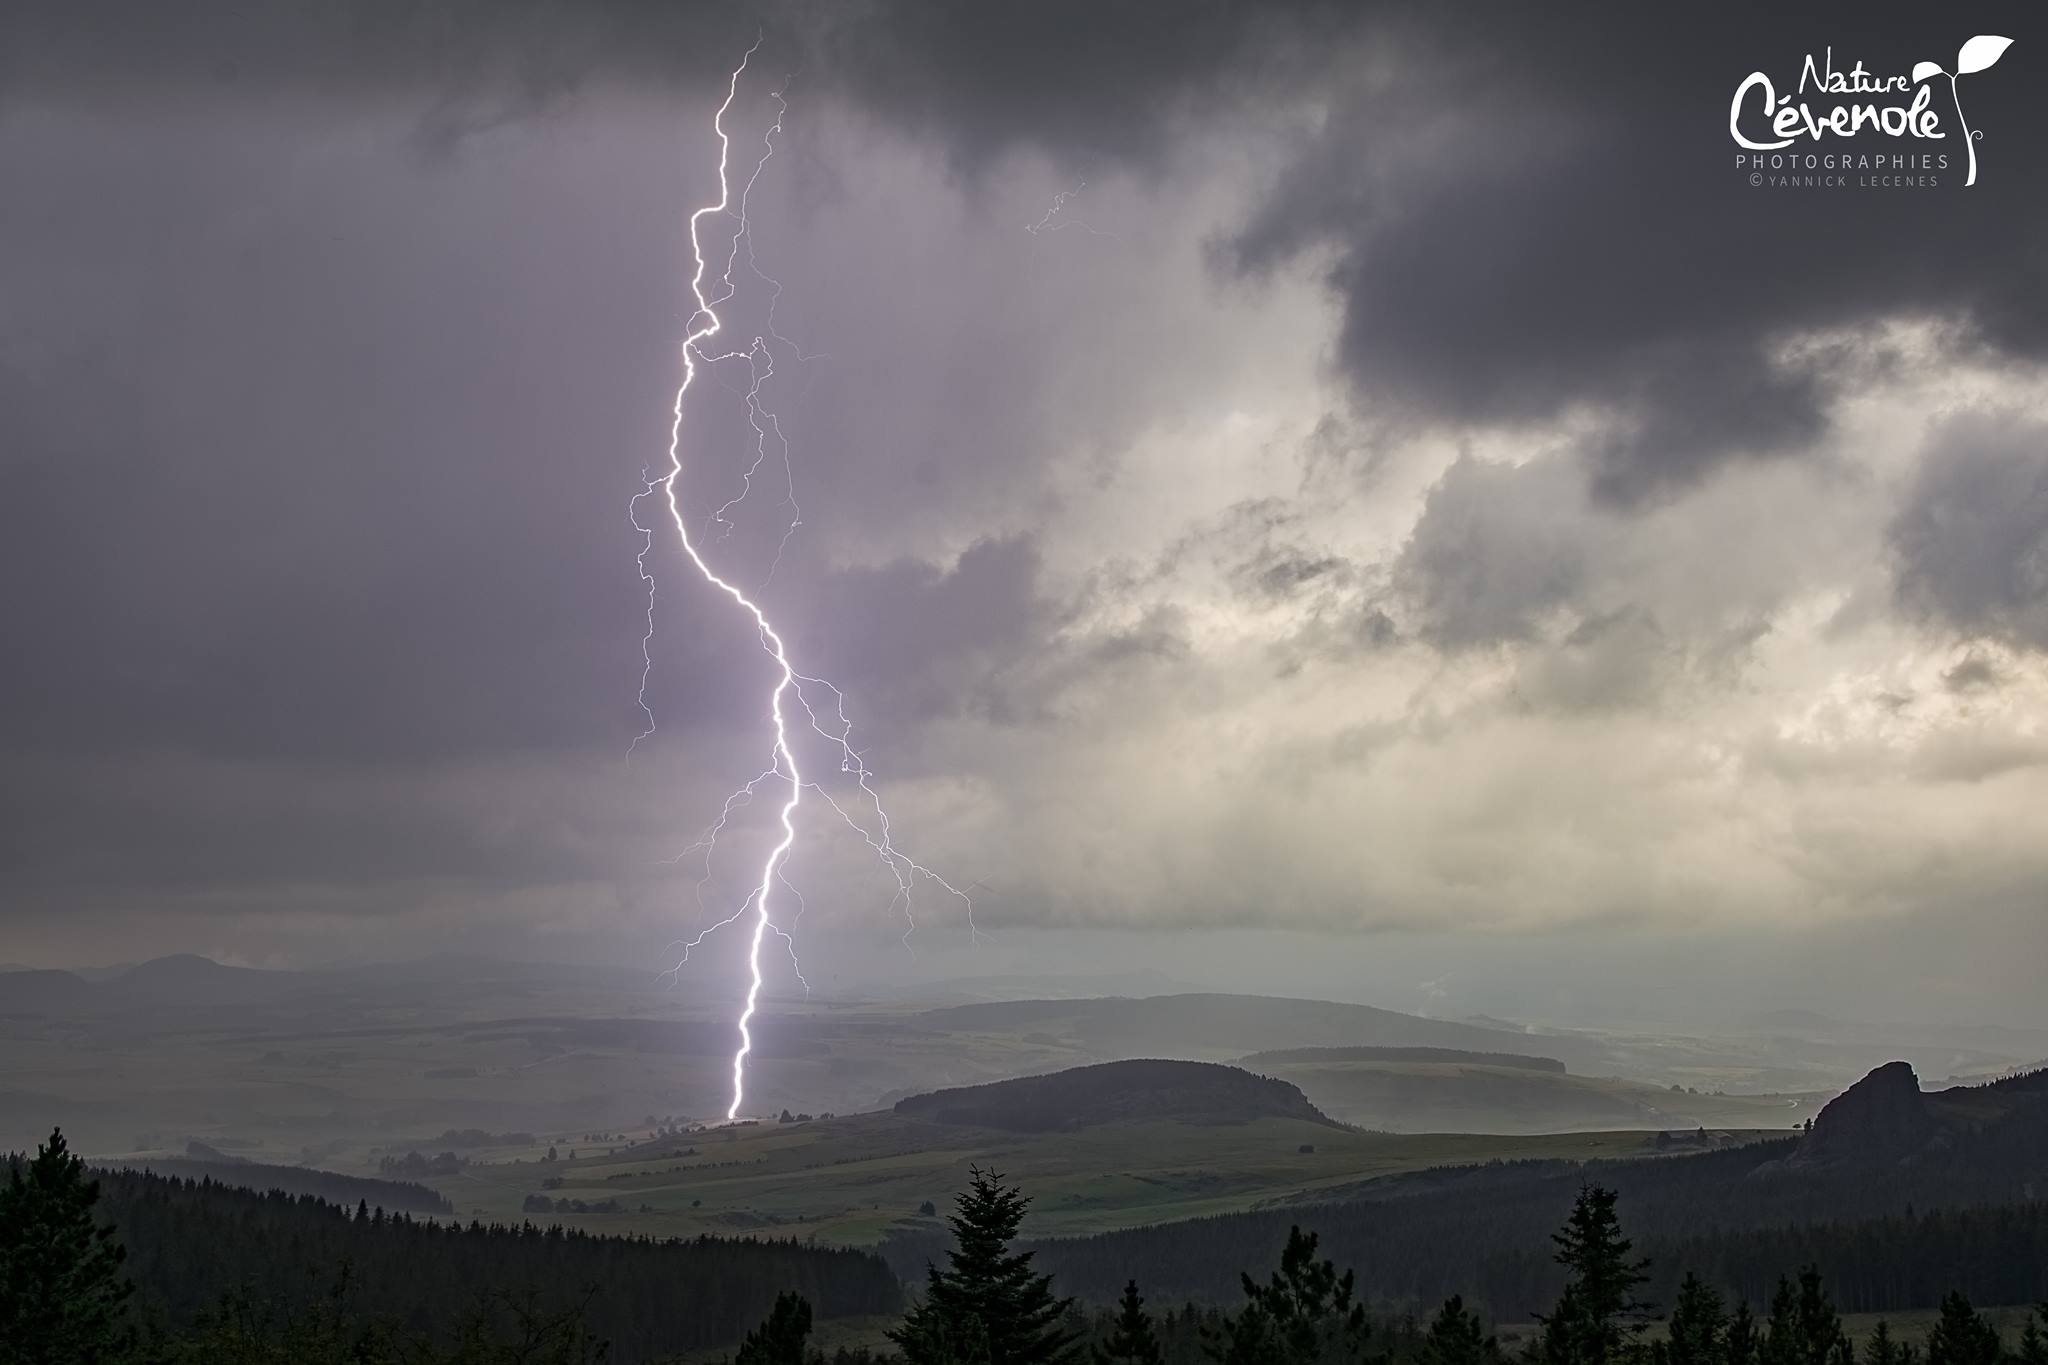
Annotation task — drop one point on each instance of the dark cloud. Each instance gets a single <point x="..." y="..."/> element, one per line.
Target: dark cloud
<point x="285" y="464"/>
<point x="1636" y="271"/>
<point x="1097" y="83"/>
<point x="1971" y="539"/>
<point x="504" y="52"/>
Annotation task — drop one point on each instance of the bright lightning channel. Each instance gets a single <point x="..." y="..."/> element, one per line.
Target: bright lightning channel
<point x="704" y="324"/>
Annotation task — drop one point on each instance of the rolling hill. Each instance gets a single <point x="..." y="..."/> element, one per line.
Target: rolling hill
<point x="1085" y="1096"/>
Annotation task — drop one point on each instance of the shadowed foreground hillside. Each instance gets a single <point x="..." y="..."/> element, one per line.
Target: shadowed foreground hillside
<point x="1183" y="1092"/>
<point x="1890" y="1192"/>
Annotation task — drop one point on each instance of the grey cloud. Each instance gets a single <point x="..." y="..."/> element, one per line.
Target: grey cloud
<point x="1974" y="673"/>
<point x="915" y="643"/>
<point x="1497" y="549"/>
<point x="1620" y="659"/>
<point x="1971" y="538"/>
<point x="1280" y="572"/>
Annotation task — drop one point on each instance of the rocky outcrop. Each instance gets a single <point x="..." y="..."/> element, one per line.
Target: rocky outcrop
<point x="1880" y="1119"/>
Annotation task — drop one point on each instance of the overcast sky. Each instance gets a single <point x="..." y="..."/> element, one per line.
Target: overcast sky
<point x="1413" y="490"/>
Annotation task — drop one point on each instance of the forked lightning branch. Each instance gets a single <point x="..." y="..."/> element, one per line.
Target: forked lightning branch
<point x="762" y="911"/>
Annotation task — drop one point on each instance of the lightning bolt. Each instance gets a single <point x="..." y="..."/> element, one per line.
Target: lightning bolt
<point x="834" y="727"/>
<point x="1046" y="225"/>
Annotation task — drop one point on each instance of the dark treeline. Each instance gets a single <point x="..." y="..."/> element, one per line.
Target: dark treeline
<point x="1996" y="1254"/>
<point x="65" y="1297"/>
<point x="521" y="1296"/>
<point x="192" y="1246"/>
<point x="1874" y="1265"/>
<point x="405" y="1196"/>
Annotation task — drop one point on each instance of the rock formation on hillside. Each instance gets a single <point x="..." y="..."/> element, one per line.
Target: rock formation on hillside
<point x="1882" y="1118"/>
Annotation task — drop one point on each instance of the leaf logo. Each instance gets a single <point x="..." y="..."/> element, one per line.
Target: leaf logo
<point x="1976" y="55"/>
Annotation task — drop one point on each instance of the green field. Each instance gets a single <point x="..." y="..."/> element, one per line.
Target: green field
<point x="851" y="1180"/>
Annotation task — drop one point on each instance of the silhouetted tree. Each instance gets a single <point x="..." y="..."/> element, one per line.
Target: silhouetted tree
<point x="1962" y="1336"/>
<point x="1132" y="1341"/>
<point x="1804" y="1328"/>
<point x="1591" y="1324"/>
<point x="1456" y="1337"/>
<point x="2033" y="1341"/>
<point x="781" y="1339"/>
<point x="1305" y="1314"/>
<point x="987" y="1304"/>
<point x="1698" y="1331"/>
<point x="61" y="1289"/>
<point x="1739" y="1342"/>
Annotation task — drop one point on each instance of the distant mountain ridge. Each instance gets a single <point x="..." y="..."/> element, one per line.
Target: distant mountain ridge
<point x="1234" y="1025"/>
<point x="180" y="979"/>
<point x="1296" y="1055"/>
<point x="1086" y="1096"/>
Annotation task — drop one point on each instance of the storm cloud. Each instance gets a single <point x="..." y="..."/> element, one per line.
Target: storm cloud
<point x="1421" y="486"/>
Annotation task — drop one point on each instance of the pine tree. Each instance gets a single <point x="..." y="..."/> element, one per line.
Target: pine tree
<point x="1305" y="1314"/>
<point x="1698" y="1329"/>
<point x="1133" y="1340"/>
<point x="61" y="1290"/>
<point x="1804" y="1328"/>
<point x="1591" y="1324"/>
<point x="987" y="1304"/>
<point x="1883" y="1347"/>
<point x="1962" y="1336"/>
<point x="780" y="1340"/>
<point x="1455" y="1337"/>
<point x="2033" y="1341"/>
<point x="1740" y="1345"/>
<point x="928" y="1339"/>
